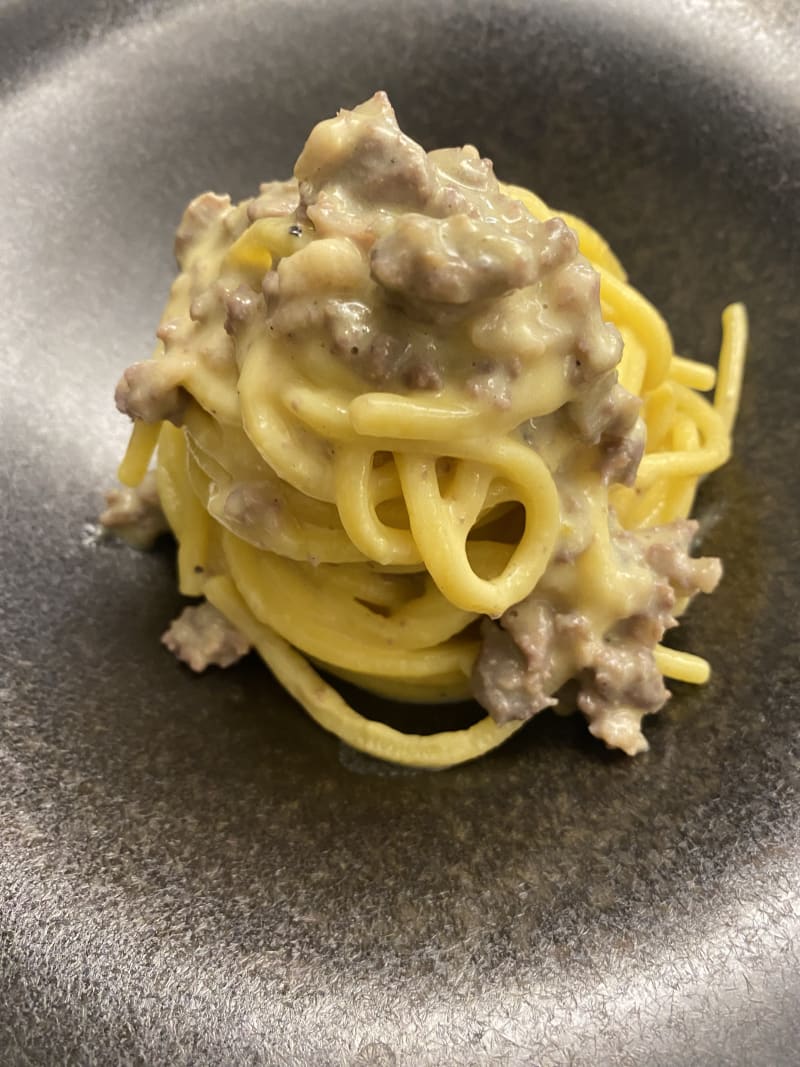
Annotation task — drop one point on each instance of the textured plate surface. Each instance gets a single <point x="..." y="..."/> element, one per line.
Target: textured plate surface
<point x="190" y="871"/>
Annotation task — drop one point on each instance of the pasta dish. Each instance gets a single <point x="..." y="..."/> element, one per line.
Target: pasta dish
<point x="414" y="430"/>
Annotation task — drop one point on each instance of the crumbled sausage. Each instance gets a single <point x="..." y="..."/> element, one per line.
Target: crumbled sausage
<point x="380" y="357"/>
<point x="456" y="260"/>
<point x="493" y="383"/>
<point x="422" y="374"/>
<point x="668" y="555"/>
<point x="360" y="158"/>
<point x="535" y="648"/>
<point x="621" y="674"/>
<point x="201" y="213"/>
<point x="502" y="680"/>
<point x="608" y="415"/>
<point x="202" y="637"/>
<point x="274" y="200"/>
<point x="240" y="307"/>
<point x="135" y="513"/>
<point x="150" y="391"/>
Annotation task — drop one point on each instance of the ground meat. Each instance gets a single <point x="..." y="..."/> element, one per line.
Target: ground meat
<point x="604" y="408"/>
<point x="457" y="260"/>
<point x="240" y="306"/>
<point x="609" y="416"/>
<point x="135" y="514"/>
<point x="492" y="381"/>
<point x="577" y="531"/>
<point x="201" y="213"/>
<point x="274" y="200"/>
<point x="620" y="727"/>
<point x="465" y="184"/>
<point x="422" y="374"/>
<point x="665" y="549"/>
<point x="502" y="680"/>
<point x="201" y="637"/>
<point x="620" y="673"/>
<point x="150" y="391"/>
<point x="441" y="244"/>
<point x="449" y="200"/>
<point x="327" y="285"/>
<point x="381" y="358"/>
<point x="308" y="281"/>
<point x="668" y="554"/>
<point x="460" y="174"/>
<point x="360" y="158"/>
<point x="620" y="456"/>
<point x="620" y="685"/>
<point x="535" y="648"/>
<point x="597" y="344"/>
<point x="386" y="359"/>
<point x="531" y="624"/>
<point x="205" y="304"/>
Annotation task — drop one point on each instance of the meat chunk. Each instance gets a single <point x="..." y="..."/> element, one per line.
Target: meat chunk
<point x="502" y="679"/>
<point x="666" y="550"/>
<point x="621" y="455"/>
<point x="597" y="344"/>
<point x="356" y="162"/>
<point x="151" y="391"/>
<point x="400" y="359"/>
<point x="668" y="554"/>
<point x="303" y="286"/>
<point x="240" y="306"/>
<point x="464" y="183"/>
<point x="622" y="673"/>
<point x="135" y="514"/>
<point x="620" y="727"/>
<point x="366" y="150"/>
<point x="621" y="684"/>
<point x="422" y="374"/>
<point x="202" y="637"/>
<point x="608" y="415"/>
<point x="536" y="648"/>
<point x="531" y="624"/>
<point x="606" y="408"/>
<point x="456" y="260"/>
<point x="274" y="200"/>
<point x="492" y="381"/>
<point x="201" y="214"/>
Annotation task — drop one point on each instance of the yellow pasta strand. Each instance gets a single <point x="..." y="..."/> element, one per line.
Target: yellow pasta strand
<point x="682" y="666"/>
<point x="141" y="446"/>
<point x="326" y="707"/>
<point x="694" y="375"/>
<point x="731" y="364"/>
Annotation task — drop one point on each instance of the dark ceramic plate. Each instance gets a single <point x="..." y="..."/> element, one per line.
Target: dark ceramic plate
<point x="191" y="872"/>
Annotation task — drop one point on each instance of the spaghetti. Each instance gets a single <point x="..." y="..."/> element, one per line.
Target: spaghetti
<point x="415" y="429"/>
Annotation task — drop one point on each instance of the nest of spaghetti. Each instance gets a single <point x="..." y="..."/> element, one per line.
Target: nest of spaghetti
<point x="415" y="430"/>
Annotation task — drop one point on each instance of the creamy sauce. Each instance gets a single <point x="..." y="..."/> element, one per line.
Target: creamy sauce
<point x="382" y="268"/>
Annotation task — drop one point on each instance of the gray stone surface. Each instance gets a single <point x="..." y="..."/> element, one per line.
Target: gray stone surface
<point x="190" y="871"/>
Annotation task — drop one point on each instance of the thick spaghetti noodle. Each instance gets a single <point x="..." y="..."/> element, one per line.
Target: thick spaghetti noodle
<point x="393" y="403"/>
